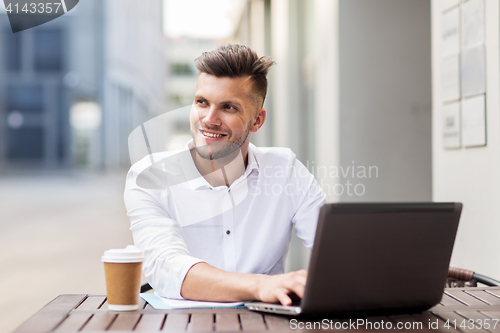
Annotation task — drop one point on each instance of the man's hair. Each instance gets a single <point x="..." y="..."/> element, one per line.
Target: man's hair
<point x="237" y="61"/>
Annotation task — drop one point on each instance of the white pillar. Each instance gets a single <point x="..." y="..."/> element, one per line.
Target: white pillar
<point x="281" y="75"/>
<point x="326" y="92"/>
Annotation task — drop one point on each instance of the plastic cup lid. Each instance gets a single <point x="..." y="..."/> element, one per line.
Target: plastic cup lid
<point x="129" y="254"/>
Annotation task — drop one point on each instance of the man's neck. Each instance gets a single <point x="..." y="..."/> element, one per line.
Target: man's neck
<point x="224" y="170"/>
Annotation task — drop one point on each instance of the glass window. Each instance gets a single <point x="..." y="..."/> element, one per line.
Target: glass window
<point x="48" y="50"/>
<point x="25" y="98"/>
<point x="12" y="52"/>
<point x="25" y="144"/>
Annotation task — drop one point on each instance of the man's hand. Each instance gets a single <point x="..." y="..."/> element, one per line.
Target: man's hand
<point x="276" y="288"/>
<point x="207" y="283"/>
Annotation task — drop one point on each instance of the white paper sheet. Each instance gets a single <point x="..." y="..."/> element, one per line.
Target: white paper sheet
<point x="185" y="304"/>
<point x="451" y="125"/>
<point x="473" y="27"/>
<point x="474" y="121"/>
<point x="473" y="72"/>
<point x="450" y="31"/>
<point x="450" y="73"/>
<point x="159" y="302"/>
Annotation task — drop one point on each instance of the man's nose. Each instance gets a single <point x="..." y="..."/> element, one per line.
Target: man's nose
<point x="211" y="118"/>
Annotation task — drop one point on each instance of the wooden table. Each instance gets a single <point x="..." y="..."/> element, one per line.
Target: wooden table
<point x="89" y="313"/>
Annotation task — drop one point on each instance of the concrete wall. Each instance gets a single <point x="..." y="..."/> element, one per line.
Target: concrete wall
<point x="471" y="175"/>
<point x="385" y="100"/>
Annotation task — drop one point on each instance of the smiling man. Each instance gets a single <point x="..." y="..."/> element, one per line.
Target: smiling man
<point x="222" y="232"/>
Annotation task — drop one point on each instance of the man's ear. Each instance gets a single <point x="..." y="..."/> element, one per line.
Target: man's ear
<point x="259" y="120"/>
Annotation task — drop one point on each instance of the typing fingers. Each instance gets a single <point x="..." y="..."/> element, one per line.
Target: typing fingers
<point x="298" y="289"/>
<point x="296" y="283"/>
<point x="283" y="298"/>
<point x="302" y="272"/>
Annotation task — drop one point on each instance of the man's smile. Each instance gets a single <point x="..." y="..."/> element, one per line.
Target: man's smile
<point x="212" y="134"/>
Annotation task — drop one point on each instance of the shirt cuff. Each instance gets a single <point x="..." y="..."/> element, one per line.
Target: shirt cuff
<point x="180" y="267"/>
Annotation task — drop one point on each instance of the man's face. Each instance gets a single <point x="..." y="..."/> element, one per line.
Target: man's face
<point x="224" y="113"/>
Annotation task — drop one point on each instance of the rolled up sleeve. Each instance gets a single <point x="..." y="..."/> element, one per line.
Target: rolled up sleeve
<point x="167" y="259"/>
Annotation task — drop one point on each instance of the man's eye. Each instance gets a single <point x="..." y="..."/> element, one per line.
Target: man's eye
<point x="230" y="107"/>
<point x="201" y="102"/>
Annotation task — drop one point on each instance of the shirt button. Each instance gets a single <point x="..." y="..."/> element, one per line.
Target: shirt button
<point x="228" y="232"/>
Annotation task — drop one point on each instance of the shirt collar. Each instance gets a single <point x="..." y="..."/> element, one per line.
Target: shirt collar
<point x="201" y="182"/>
<point x="253" y="164"/>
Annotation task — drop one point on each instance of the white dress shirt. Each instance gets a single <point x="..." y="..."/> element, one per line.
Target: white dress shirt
<point x="178" y="219"/>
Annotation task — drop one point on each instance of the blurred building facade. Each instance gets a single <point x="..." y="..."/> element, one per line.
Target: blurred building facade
<point x="181" y="84"/>
<point x="351" y="89"/>
<point x="353" y="86"/>
<point x="72" y="90"/>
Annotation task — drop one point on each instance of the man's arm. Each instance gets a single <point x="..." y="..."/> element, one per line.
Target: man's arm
<point x="167" y="259"/>
<point x="206" y="283"/>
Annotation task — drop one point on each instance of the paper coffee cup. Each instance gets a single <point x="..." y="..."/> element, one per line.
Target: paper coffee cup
<point x="122" y="268"/>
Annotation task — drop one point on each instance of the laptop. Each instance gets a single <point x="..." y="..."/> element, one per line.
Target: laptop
<point x="376" y="259"/>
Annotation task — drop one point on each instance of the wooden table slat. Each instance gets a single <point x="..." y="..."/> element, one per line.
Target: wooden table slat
<point x="70" y="313"/>
<point x="485" y="296"/>
<point x="471" y="314"/>
<point x="438" y="305"/>
<point x="150" y="322"/>
<point x="495" y="292"/>
<point x="252" y="321"/>
<point x="277" y="323"/>
<point x="51" y="314"/>
<point x="225" y="322"/>
<point x="74" y="322"/>
<point x="92" y="303"/>
<point x="176" y="322"/>
<point x="447" y="300"/>
<point x="100" y="321"/>
<point x="125" y="321"/>
<point x="201" y="322"/>
<point x="104" y="306"/>
<point x="493" y="315"/>
<point x="463" y="297"/>
<point x="454" y="317"/>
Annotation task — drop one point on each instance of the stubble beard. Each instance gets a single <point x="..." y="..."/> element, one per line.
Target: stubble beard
<point x="219" y="149"/>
